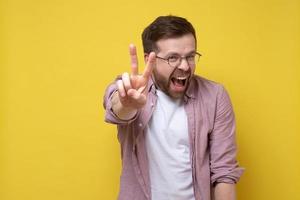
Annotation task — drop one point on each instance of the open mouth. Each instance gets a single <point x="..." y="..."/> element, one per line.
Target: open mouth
<point x="179" y="81"/>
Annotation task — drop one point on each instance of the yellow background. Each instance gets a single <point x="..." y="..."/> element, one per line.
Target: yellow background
<point x="57" y="56"/>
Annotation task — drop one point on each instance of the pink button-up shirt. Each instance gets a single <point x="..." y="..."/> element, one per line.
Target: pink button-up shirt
<point x="211" y="128"/>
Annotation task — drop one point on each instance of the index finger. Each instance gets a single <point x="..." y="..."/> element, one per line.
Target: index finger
<point x="150" y="65"/>
<point x="133" y="59"/>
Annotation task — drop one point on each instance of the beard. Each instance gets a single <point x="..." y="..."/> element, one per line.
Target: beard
<point x="171" y="85"/>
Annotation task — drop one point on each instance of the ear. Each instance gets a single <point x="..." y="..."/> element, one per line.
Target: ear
<point x="146" y="56"/>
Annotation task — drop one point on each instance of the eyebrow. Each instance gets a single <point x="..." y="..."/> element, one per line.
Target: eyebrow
<point x="175" y="53"/>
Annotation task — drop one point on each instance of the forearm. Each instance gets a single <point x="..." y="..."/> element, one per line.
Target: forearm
<point x="124" y="113"/>
<point x="224" y="191"/>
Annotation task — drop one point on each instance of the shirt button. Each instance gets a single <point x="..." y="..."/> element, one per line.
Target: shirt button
<point x="152" y="104"/>
<point x="140" y="124"/>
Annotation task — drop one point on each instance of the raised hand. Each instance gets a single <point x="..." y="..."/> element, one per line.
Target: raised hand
<point x="132" y="87"/>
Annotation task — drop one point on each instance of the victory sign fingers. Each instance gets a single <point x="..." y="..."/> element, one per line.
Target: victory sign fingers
<point x="132" y="86"/>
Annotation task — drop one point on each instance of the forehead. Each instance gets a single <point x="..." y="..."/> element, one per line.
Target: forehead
<point x="183" y="44"/>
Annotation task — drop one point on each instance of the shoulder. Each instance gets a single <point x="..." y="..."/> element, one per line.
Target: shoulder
<point x="204" y="81"/>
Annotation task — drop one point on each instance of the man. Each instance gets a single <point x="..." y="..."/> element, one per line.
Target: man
<point x="176" y="129"/>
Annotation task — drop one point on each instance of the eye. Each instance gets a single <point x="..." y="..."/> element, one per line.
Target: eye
<point x="173" y="58"/>
<point x="190" y="58"/>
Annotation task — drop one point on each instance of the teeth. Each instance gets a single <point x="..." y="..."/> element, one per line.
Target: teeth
<point x="181" y="78"/>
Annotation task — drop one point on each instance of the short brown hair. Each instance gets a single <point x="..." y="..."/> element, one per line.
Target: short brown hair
<point x="165" y="27"/>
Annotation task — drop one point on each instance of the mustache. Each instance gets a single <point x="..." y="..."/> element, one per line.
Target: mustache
<point x="179" y="72"/>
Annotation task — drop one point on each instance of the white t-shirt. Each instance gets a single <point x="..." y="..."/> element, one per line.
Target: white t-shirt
<point x="168" y="151"/>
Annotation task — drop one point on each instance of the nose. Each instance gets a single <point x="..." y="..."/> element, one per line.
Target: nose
<point x="184" y="65"/>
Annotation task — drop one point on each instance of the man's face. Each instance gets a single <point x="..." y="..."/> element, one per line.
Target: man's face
<point x="174" y="80"/>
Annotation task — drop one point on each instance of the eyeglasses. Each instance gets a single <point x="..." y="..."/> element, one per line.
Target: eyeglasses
<point x="175" y="60"/>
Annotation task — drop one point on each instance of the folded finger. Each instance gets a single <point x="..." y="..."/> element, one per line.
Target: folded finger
<point x="136" y="95"/>
<point x="126" y="81"/>
<point x="121" y="88"/>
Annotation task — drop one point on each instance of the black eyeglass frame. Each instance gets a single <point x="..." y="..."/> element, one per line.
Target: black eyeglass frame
<point x="180" y="57"/>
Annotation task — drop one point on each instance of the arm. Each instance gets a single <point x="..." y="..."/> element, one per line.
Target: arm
<point x="225" y="171"/>
<point x="224" y="191"/>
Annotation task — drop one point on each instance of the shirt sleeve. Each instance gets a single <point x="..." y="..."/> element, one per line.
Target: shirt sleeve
<point x="110" y="116"/>
<point x="223" y="163"/>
